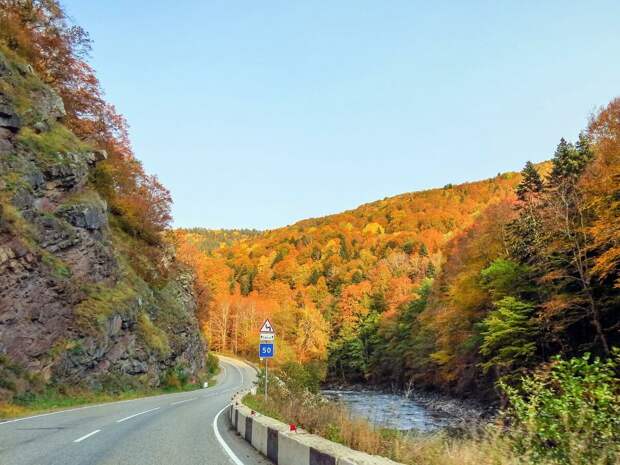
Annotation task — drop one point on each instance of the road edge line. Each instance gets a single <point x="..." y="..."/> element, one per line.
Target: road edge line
<point x="225" y="446"/>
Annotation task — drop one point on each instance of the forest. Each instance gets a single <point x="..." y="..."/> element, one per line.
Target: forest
<point x="452" y="289"/>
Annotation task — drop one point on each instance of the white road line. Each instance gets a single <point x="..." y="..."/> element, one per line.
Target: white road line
<point x="86" y="436"/>
<point x="182" y="401"/>
<point x="63" y="411"/>
<point x="136" y="414"/>
<point x="104" y="404"/>
<point x="218" y="436"/>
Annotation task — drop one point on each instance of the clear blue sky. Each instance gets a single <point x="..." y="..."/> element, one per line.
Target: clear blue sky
<point x="261" y="113"/>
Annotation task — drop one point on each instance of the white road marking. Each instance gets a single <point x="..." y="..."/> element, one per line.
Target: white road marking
<point x="136" y="414"/>
<point x="86" y="436"/>
<point x="218" y="436"/>
<point x="105" y="404"/>
<point x="182" y="401"/>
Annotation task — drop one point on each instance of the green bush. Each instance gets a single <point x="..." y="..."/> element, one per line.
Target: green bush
<point x="301" y="377"/>
<point x="175" y="378"/>
<point x="568" y="414"/>
<point x="212" y="364"/>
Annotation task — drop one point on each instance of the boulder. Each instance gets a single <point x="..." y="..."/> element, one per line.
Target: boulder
<point x="95" y="157"/>
<point x="66" y="176"/>
<point x="89" y="216"/>
<point x="6" y="141"/>
<point x="8" y="116"/>
<point x="48" y="106"/>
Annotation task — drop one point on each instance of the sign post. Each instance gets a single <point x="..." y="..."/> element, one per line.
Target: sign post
<point x="266" y="347"/>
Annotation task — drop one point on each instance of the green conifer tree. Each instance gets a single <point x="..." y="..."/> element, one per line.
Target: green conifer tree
<point x="532" y="183"/>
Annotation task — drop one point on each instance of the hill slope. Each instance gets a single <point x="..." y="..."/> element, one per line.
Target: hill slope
<point x="319" y="279"/>
<point x="450" y="288"/>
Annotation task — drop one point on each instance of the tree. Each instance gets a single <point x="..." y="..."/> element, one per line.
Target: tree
<point x="568" y="262"/>
<point x="569" y="162"/>
<point x="525" y="241"/>
<point x="601" y="185"/>
<point x="531" y="183"/>
<point x="508" y="336"/>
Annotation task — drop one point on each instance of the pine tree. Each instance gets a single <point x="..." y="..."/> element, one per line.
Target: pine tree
<point x="569" y="161"/>
<point x="532" y="183"/>
<point x="525" y="240"/>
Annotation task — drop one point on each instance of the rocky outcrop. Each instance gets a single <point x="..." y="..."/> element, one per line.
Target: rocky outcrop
<point x="72" y="309"/>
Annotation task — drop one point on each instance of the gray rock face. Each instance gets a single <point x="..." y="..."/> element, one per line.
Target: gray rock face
<point x="6" y="144"/>
<point x="68" y="312"/>
<point x="86" y="216"/>
<point x="8" y="117"/>
<point x="66" y="176"/>
<point x="48" y="106"/>
<point x="5" y="69"/>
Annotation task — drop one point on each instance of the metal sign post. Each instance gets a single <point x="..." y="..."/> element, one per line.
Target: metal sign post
<point x="266" y="348"/>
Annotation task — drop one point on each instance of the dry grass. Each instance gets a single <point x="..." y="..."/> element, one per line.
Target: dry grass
<point x="488" y="446"/>
<point x="334" y="422"/>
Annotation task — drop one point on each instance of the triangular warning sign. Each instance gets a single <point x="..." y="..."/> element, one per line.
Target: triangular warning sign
<point x="267" y="328"/>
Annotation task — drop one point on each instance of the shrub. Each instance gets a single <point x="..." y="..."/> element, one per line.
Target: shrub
<point x="176" y="378"/>
<point x="301" y="377"/>
<point x="212" y="364"/>
<point x="568" y="414"/>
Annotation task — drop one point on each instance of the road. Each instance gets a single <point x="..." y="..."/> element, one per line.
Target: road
<point x="173" y="429"/>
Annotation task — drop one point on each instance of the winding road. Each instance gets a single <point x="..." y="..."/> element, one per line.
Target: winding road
<point x="187" y="428"/>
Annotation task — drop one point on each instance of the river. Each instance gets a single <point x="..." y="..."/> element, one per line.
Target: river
<point x="393" y="410"/>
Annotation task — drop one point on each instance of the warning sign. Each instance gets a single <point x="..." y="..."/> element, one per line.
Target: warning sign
<point x="267" y="328"/>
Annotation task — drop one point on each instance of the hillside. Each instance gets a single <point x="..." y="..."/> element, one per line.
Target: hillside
<point x="325" y="279"/>
<point x="450" y="289"/>
<point x="91" y="295"/>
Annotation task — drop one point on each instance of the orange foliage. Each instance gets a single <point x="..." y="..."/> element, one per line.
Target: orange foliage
<point x="321" y="275"/>
<point x="602" y="186"/>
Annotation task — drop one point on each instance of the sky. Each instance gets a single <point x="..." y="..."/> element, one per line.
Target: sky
<point x="258" y="114"/>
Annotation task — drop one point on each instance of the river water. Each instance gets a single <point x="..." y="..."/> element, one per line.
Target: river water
<point x="392" y="410"/>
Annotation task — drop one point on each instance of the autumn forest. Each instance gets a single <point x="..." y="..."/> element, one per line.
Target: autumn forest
<point x="452" y="288"/>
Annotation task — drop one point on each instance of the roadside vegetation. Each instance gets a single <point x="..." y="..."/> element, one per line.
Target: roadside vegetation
<point x="565" y="414"/>
<point x="57" y="397"/>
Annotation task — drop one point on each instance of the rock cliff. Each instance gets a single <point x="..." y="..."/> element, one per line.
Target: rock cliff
<point x="73" y="308"/>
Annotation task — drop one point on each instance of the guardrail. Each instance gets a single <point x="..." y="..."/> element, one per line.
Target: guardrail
<point x="282" y="446"/>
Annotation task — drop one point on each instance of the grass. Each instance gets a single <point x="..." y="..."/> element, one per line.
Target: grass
<point x="59" y="398"/>
<point x="333" y="421"/>
<point x="154" y="337"/>
<point x="490" y="445"/>
<point x="54" y="399"/>
<point x="57" y="140"/>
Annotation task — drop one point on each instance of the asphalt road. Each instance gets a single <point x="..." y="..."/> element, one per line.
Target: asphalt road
<point x="172" y="429"/>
